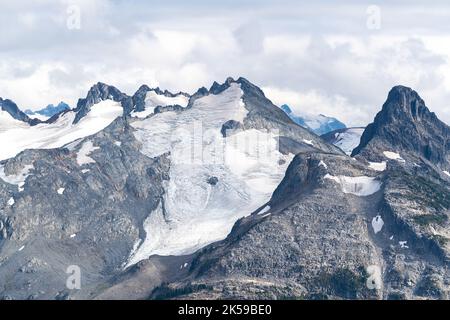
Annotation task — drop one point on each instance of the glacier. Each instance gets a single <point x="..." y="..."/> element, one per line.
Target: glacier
<point x="193" y="212"/>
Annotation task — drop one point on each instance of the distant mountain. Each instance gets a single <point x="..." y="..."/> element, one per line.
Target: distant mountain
<point x="345" y="139"/>
<point x="49" y="111"/>
<point x="319" y="124"/>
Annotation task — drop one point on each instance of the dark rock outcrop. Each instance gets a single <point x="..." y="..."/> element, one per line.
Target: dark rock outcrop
<point x="98" y="93"/>
<point x="11" y="108"/>
<point x="405" y="124"/>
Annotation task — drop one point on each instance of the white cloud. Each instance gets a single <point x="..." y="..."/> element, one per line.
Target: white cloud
<point x="315" y="57"/>
<point x="314" y="102"/>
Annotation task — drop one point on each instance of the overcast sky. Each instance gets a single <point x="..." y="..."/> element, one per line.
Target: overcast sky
<point x="336" y="59"/>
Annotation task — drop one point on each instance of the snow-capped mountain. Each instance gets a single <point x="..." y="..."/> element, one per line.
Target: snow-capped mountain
<point x="169" y="184"/>
<point x="220" y="194"/>
<point x="48" y="112"/>
<point x="59" y="130"/>
<point x="319" y="124"/>
<point x="380" y="228"/>
<point x="345" y="139"/>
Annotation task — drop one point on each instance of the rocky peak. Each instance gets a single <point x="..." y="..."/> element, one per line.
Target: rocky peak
<point x="406" y="125"/>
<point x="11" y="108"/>
<point x="140" y="95"/>
<point x="100" y="92"/>
<point x="403" y="101"/>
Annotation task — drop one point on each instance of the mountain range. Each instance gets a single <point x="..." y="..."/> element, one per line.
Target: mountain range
<point x="319" y="124"/>
<point x="49" y="111"/>
<point x="222" y="195"/>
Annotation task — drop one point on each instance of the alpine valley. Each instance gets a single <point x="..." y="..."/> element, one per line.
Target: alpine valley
<point x="219" y="194"/>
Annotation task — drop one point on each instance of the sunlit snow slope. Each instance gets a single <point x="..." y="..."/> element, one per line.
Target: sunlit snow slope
<point x="345" y="139"/>
<point x="153" y="99"/>
<point x="16" y="136"/>
<point x="194" y="212"/>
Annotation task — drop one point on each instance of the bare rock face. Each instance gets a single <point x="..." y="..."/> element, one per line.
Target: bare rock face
<point x="73" y="213"/>
<point x="406" y="125"/>
<point x="11" y="108"/>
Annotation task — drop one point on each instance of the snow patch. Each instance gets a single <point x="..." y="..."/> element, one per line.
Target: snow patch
<point x="377" y="166"/>
<point x="11" y="201"/>
<point x="264" y="210"/>
<point x="348" y="139"/>
<point x="57" y="134"/>
<point x="83" y="154"/>
<point x="118" y="143"/>
<point x="446" y="172"/>
<point x="377" y="224"/>
<point x="393" y="156"/>
<point x="60" y="190"/>
<point x="310" y="142"/>
<point x="403" y="244"/>
<point x="360" y="186"/>
<point x="323" y="164"/>
<point x="375" y="280"/>
<point x="21" y="248"/>
<point x="153" y="100"/>
<point x="18" y="179"/>
<point x="73" y="235"/>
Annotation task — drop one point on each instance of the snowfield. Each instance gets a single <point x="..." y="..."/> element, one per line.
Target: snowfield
<point x="18" y="179"/>
<point x="348" y="140"/>
<point x="393" y="156"/>
<point x="359" y="186"/>
<point x="57" y="134"/>
<point x="378" y="166"/>
<point x="83" y="154"/>
<point x="377" y="224"/>
<point x="11" y="201"/>
<point x="153" y="100"/>
<point x="197" y="213"/>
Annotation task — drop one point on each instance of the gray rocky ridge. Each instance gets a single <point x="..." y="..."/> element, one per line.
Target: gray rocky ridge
<point x="373" y="226"/>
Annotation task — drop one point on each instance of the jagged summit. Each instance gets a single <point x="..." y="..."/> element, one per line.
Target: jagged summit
<point x="405" y="124"/>
<point x="11" y="108"/>
<point x="48" y="112"/>
<point x="149" y="98"/>
<point x="100" y="92"/>
<point x="405" y="100"/>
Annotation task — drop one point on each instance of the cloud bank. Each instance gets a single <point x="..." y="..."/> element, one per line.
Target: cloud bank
<point x="318" y="58"/>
